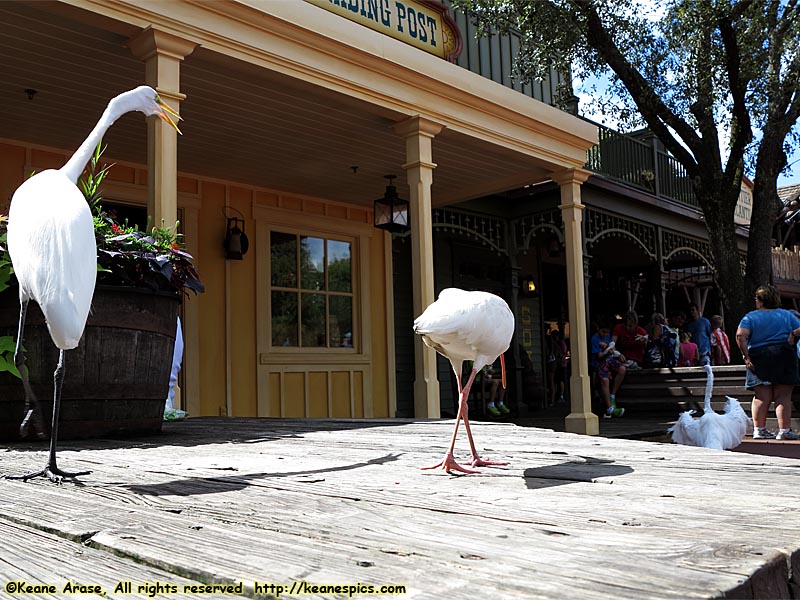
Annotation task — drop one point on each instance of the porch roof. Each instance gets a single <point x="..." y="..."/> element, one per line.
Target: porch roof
<point x="283" y="95"/>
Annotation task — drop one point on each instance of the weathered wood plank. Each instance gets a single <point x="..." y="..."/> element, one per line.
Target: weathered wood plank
<point x="317" y="500"/>
<point x="37" y="558"/>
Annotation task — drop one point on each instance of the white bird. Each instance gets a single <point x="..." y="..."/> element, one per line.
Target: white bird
<point x="460" y="326"/>
<point x="712" y="430"/>
<point x="52" y="246"/>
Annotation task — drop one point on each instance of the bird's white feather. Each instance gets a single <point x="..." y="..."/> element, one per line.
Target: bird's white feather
<point x="712" y="430"/>
<point x="52" y="246"/>
<point x="142" y="99"/>
<point x="461" y="325"/>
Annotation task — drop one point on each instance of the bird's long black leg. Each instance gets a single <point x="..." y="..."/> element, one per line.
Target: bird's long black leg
<point x="51" y="471"/>
<point x="33" y="410"/>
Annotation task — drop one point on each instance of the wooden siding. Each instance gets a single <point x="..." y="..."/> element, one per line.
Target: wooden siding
<point x="493" y="57"/>
<point x="232" y="376"/>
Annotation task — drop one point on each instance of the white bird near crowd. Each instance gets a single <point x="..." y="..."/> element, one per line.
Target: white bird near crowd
<point x="53" y="251"/>
<point x="460" y="326"/>
<point x="712" y="430"/>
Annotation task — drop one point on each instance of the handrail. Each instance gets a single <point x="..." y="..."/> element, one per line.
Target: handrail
<point x="639" y="164"/>
<point x="786" y="264"/>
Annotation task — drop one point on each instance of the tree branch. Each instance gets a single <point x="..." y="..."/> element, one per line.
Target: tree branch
<point x="741" y="126"/>
<point x="657" y="115"/>
<point x="703" y="107"/>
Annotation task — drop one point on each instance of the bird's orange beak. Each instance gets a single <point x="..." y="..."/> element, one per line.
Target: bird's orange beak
<point x="165" y="113"/>
<point x="503" y="369"/>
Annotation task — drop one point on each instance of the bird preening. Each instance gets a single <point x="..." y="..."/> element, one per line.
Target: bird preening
<point x="474" y="326"/>
<point x="54" y="254"/>
<point x="712" y="430"/>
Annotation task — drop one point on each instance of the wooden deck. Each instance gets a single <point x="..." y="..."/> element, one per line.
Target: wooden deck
<point x="258" y="501"/>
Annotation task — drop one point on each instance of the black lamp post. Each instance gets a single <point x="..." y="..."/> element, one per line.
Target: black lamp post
<point x="391" y="212"/>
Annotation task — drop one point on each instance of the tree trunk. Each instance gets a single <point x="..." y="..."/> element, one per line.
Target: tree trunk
<point x="718" y="209"/>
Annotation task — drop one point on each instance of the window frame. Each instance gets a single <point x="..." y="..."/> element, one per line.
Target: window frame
<point x="355" y="294"/>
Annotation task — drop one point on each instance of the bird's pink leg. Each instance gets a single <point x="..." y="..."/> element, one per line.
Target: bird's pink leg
<point x="477" y="461"/>
<point x="448" y="463"/>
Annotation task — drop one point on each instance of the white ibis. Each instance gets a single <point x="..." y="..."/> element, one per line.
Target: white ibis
<point x="475" y="326"/>
<point x="52" y="246"/>
<point x="712" y="430"/>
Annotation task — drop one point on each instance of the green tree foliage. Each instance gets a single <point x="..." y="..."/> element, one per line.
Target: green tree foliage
<point x="718" y="81"/>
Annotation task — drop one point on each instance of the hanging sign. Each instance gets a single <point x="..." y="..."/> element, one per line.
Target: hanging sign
<point x="426" y="24"/>
<point x="744" y="206"/>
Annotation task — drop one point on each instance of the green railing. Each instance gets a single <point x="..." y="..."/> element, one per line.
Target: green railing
<point x="640" y="164"/>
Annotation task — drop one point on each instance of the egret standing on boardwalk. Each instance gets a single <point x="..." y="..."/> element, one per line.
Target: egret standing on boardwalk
<point x="52" y="246"/>
<point x="460" y="326"/>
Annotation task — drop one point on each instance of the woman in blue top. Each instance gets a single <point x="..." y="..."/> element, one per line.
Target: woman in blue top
<point x="766" y="337"/>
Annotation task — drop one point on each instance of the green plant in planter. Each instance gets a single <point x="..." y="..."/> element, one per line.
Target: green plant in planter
<point x="129" y="257"/>
<point x="126" y="256"/>
<point x="7" y="342"/>
<point x="7" y="347"/>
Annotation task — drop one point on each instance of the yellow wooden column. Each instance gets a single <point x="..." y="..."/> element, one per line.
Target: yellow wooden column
<point x="162" y="54"/>
<point x="418" y="133"/>
<point x="581" y="419"/>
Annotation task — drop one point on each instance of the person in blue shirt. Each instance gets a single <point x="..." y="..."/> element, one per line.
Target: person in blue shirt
<point x="700" y="328"/>
<point x="766" y="336"/>
<point x="607" y="363"/>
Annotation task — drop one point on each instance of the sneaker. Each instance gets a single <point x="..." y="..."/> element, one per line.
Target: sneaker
<point x="615" y="412"/>
<point x="762" y="433"/>
<point x="787" y="435"/>
<point x="492" y="410"/>
<point x="504" y="409"/>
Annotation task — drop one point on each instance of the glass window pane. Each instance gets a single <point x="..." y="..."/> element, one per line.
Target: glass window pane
<point x="284" y="319"/>
<point x="341" y="309"/>
<point x="339" y="278"/>
<point x="313" y="311"/>
<point x="312" y="263"/>
<point x="283" y="259"/>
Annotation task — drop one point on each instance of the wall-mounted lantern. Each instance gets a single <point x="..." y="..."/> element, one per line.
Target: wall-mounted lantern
<point x="391" y="212"/>
<point x="236" y="243"/>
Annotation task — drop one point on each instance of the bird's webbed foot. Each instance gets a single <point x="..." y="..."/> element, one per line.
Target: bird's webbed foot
<point x="477" y="461"/>
<point x="448" y="464"/>
<point x="52" y="472"/>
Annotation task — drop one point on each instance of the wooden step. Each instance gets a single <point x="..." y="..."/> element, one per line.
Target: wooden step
<point x="671" y="391"/>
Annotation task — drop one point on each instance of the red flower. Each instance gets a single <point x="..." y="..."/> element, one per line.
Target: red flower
<point x="116" y="228"/>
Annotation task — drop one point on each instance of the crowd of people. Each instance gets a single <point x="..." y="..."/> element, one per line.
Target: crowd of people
<point x="679" y="341"/>
<point x="767" y="338"/>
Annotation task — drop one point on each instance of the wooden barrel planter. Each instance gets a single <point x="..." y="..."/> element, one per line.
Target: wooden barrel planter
<point x="117" y="379"/>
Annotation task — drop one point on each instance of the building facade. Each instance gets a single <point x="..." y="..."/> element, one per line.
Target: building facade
<point x="294" y="113"/>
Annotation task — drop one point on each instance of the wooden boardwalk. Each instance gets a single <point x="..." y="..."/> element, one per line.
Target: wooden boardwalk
<point x="253" y="502"/>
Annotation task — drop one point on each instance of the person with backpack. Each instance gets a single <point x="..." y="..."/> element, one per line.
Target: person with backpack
<point x="660" y="352"/>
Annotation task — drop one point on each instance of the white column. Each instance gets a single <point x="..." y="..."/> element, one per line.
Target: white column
<point x="581" y="419"/>
<point x="418" y="133"/>
<point x="162" y="54"/>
